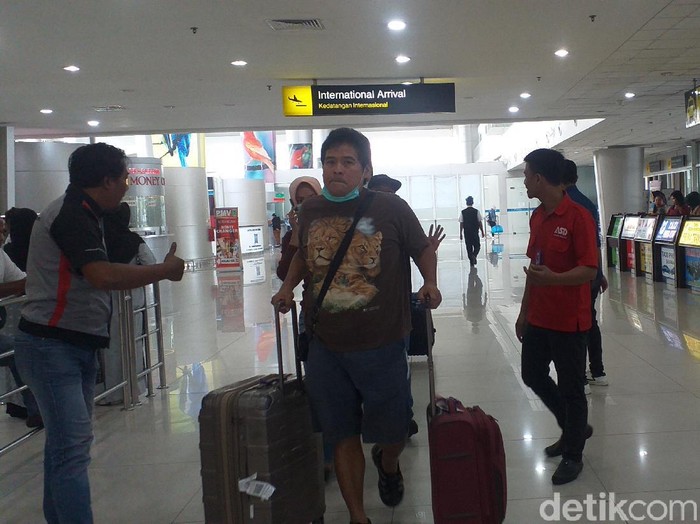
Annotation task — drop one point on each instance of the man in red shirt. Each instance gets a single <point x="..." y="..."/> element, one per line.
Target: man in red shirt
<point x="555" y="314"/>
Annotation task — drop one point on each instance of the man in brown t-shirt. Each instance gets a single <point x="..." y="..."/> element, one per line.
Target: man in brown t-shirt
<point x="357" y="373"/>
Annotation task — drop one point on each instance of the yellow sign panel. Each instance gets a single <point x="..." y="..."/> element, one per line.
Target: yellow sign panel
<point x="690" y="236"/>
<point x="297" y="101"/>
<point x="693" y="345"/>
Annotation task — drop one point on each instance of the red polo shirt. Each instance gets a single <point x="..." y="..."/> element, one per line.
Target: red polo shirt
<point x="562" y="240"/>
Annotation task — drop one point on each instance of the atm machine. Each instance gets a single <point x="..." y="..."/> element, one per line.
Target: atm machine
<point x="665" y="250"/>
<point x="689" y="254"/>
<point x="612" y="240"/>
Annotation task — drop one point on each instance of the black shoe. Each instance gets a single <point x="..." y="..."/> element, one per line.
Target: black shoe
<point x="567" y="471"/>
<point x="555" y="449"/>
<point x="16" y="411"/>
<point x="412" y="428"/>
<point x="35" y="421"/>
<point x="390" y="486"/>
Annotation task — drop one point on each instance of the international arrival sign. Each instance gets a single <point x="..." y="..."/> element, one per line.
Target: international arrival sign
<point x="379" y="99"/>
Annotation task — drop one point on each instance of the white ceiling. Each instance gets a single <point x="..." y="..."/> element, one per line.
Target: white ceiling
<point x="143" y="56"/>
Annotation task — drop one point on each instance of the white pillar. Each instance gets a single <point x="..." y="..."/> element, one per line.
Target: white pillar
<point x="41" y="171"/>
<point x="187" y="210"/>
<point x="249" y="197"/>
<point x="468" y="136"/>
<point x="319" y="136"/>
<point x="7" y="168"/>
<point x="619" y="175"/>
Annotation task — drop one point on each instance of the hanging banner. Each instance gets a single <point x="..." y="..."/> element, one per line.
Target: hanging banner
<point x="692" y="110"/>
<point x="259" y="150"/>
<point x="300" y="156"/>
<point x="390" y="99"/>
<point x="228" y="247"/>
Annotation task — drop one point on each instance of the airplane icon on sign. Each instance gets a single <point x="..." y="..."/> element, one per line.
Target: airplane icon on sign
<point x="294" y="99"/>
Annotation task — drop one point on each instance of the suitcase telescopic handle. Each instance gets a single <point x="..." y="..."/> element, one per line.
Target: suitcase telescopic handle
<point x="295" y="338"/>
<point x="431" y="368"/>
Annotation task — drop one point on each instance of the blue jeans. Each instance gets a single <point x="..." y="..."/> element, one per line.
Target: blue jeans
<point x="62" y="377"/>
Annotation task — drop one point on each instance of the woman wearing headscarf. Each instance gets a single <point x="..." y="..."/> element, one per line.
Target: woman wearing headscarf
<point x="299" y="190"/>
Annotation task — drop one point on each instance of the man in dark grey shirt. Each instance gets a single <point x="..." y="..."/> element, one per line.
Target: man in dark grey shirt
<point x="66" y="319"/>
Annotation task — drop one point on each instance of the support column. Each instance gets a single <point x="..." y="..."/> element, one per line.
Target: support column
<point x="7" y="168"/>
<point x="468" y="136"/>
<point x="319" y="136"/>
<point x="619" y="179"/>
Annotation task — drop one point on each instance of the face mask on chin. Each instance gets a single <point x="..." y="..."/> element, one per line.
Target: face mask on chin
<point x="350" y="196"/>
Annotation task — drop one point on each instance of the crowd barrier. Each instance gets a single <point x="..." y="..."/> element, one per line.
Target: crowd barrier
<point x="138" y="327"/>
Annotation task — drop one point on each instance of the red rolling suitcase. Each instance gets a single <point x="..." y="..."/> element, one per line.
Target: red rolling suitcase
<point x="256" y="435"/>
<point x="467" y="461"/>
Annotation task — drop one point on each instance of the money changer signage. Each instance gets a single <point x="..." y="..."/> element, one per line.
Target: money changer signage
<point x="380" y="99"/>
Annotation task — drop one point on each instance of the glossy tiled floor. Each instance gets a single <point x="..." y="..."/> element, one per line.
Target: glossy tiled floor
<point x="145" y="466"/>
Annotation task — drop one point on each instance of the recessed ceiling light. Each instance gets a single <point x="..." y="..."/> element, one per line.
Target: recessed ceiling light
<point x="72" y="68"/>
<point x="239" y="63"/>
<point x="407" y="83"/>
<point x="561" y="53"/>
<point x="46" y="111"/>
<point x="402" y="59"/>
<point x="93" y="123"/>
<point x="397" y="25"/>
<point x="513" y="109"/>
<point x="525" y="95"/>
<point x="629" y="94"/>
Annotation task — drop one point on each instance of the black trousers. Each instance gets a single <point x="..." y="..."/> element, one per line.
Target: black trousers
<point x="565" y="398"/>
<point x="473" y="245"/>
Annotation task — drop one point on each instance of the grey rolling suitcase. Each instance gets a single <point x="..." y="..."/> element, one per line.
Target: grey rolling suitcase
<point x="256" y="435"/>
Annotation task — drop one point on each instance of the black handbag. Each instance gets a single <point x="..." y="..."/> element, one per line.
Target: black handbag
<point x="304" y="338"/>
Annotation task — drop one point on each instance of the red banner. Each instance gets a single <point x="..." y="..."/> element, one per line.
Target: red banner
<point x="228" y="245"/>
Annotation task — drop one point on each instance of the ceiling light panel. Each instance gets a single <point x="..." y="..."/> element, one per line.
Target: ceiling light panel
<point x="397" y="25"/>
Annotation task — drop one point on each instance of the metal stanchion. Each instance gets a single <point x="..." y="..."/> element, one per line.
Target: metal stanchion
<point x="159" y="335"/>
<point x="128" y="346"/>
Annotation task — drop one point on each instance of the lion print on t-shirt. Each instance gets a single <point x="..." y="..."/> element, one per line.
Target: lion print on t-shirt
<point x="353" y="284"/>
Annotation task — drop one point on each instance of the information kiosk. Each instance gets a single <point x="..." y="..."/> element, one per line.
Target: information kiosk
<point x="642" y="246"/>
<point x="665" y="252"/>
<point x="627" y="255"/>
<point x="612" y="240"/>
<point x="689" y="253"/>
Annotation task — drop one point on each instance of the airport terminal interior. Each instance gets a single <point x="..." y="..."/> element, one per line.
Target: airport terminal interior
<point x="229" y="102"/>
<point x="145" y="462"/>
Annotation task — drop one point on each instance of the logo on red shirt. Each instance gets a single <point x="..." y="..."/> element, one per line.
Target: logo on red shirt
<point x="561" y="232"/>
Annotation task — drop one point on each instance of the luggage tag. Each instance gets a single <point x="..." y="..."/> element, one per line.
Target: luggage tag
<point x="256" y="488"/>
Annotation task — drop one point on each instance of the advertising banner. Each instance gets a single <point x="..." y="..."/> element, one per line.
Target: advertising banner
<point x="629" y="228"/>
<point x="690" y="236"/>
<point x="645" y="229"/>
<point x="692" y="268"/>
<point x="668" y="229"/>
<point x="692" y="111"/>
<point x="251" y="239"/>
<point x="228" y="247"/>
<point x="630" y="256"/>
<point x="668" y="263"/>
<point x="645" y="259"/>
<point x="259" y="155"/>
<point x="379" y="99"/>
<point x="229" y="303"/>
